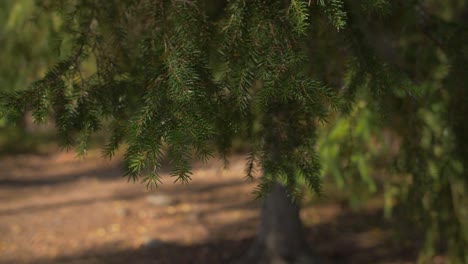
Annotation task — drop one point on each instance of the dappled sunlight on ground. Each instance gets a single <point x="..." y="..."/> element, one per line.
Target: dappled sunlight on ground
<point x="58" y="209"/>
<point x="56" y="205"/>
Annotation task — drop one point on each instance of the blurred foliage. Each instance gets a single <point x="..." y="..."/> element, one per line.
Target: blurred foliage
<point x="410" y="156"/>
<point x="28" y="37"/>
<point x="410" y="140"/>
<point x="13" y="141"/>
<point x="349" y="149"/>
<point x="32" y="40"/>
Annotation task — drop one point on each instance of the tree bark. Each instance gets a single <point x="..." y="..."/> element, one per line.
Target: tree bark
<point x="280" y="237"/>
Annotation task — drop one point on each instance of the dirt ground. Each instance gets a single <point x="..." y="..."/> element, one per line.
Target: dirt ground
<point x="55" y="208"/>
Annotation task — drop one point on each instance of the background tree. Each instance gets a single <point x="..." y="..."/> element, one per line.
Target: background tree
<point x="421" y="112"/>
<point x="23" y="62"/>
<point x="20" y="28"/>
<point x="175" y="80"/>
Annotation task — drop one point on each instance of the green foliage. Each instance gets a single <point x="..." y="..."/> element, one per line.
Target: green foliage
<point x="420" y="99"/>
<point x="299" y="14"/>
<point x="25" y="36"/>
<point x="349" y="149"/>
<point x="435" y="192"/>
<point x="173" y="81"/>
<point x="335" y="12"/>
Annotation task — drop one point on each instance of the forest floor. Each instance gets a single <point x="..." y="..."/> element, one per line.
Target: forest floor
<point x="55" y="208"/>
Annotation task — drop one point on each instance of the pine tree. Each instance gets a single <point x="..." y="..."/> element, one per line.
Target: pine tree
<point x="177" y="80"/>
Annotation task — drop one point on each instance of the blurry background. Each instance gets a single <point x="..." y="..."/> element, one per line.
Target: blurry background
<point x="56" y="208"/>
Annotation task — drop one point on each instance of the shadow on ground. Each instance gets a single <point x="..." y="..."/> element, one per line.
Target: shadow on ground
<point x="106" y="173"/>
<point x="125" y="195"/>
<point x="341" y="241"/>
<point x="48" y="203"/>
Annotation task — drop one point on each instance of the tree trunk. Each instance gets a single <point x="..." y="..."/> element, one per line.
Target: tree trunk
<point x="280" y="237"/>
